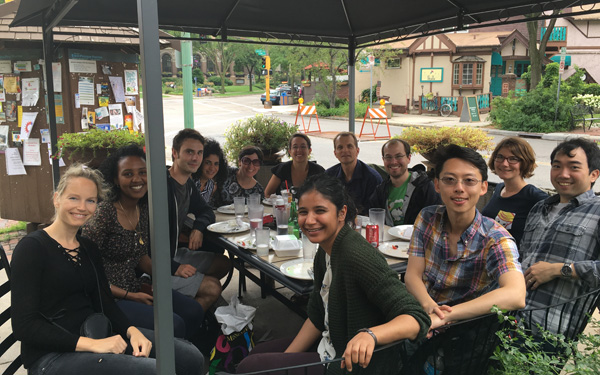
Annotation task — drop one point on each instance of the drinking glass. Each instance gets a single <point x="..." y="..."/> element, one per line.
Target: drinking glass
<point x="254" y="200"/>
<point x="263" y="237"/>
<point x="377" y="217"/>
<point x="287" y="196"/>
<point x="308" y="248"/>
<point x="255" y="214"/>
<point x="239" y="206"/>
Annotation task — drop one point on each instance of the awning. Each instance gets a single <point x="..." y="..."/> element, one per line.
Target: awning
<point x="556" y="58"/>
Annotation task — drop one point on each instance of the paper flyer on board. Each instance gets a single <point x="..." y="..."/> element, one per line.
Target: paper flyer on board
<point x="31" y="91"/>
<point x="31" y="152"/>
<point x="61" y="162"/>
<point x="57" y="76"/>
<point x="27" y="124"/>
<point x="2" y="95"/>
<point x="14" y="164"/>
<point x="101" y="112"/>
<point x="5" y="66"/>
<point x="116" y="83"/>
<point x="131" y="82"/>
<point x="86" y="91"/>
<point x="116" y="115"/>
<point x="3" y="137"/>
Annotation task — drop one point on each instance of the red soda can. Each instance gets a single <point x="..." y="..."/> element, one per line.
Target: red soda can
<point x="373" y="234"/>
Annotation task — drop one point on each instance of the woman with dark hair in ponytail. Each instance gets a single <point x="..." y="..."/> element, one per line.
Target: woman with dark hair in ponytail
<point x="357" y="302"/>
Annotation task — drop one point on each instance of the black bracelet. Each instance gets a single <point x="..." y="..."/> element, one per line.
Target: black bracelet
<point x="367" y="330"/>
<point x="126" y="293"/>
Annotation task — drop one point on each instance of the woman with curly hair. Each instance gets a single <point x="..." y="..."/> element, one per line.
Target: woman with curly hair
<point x="212" y="173"/>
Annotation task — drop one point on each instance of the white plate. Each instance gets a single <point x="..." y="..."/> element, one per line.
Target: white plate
<point x="228" y="226"/>
<point x="402" y="231"/>
<point x="297" y="269"/>
<point x="395" y="249"/>
<point x="248" y="243"/>
<point x="229" y="209"/>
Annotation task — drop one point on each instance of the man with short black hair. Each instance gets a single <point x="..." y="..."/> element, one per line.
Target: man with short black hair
<point x="195" y="273"/>
<point x="406" y="191"/>
<point x="360" y="179"/>
<point x="561" y="242"/>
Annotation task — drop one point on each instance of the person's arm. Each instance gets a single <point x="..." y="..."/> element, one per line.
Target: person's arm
<point x="122" y="294"/>
<point x="360" y="348"/>
<point x="272" y="186"/>
<point x="414" y="284"/>
<point x="510" y="296"/>
<point x="305" y="338"/>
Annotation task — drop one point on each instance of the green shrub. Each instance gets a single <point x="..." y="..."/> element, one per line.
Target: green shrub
<point x="591" y="89"/>
<point x="216" y="80"/>
<point x="197" y="73"/>
<point x="364" y="95"/>
<point x="343" y="110"/>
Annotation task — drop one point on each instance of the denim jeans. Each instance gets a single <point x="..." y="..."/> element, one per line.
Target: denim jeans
<point x="188" y="361"/>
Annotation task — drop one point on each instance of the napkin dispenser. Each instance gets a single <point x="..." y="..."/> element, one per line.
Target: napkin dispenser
<point x="287" y="245"/>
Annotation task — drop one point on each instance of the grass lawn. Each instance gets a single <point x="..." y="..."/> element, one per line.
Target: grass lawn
<point x="238" y="90"/>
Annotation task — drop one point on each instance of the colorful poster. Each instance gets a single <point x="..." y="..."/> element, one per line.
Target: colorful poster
<point x="27" y="124"/>
<point x="11" y="110"/>
<point x="103" y="101"/>
<point x="101" y="113"/>
<point x="31" y="91"/>
<point x="116" y="83"/>
<point x="45" y="133"/>
<point x="91" y="117"/>
<point x="104" y="89"/>
<point x="2" y="114"/>
<point x="116" y="115"/>
<point x="2" y="96"/>
<point x="22" y="66"/>
<point x="130" y="103"/>
<point x="12" y="84"/>
<point x="58" y="109"/>
<point x="5" y="66"/>
<point x="86" y="91"/>
<point x="131" y="82"/>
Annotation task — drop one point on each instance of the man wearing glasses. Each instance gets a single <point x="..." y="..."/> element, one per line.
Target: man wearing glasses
<point x="406" y="191"/>
<point x="461" y="263"/>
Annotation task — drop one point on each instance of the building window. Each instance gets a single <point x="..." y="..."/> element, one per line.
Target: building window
<point x="467" y="75"/>
<point x="393" y="63"/>
<point x="166" y="63"/>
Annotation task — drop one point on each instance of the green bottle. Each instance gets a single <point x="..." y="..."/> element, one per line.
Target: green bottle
<point x="293" y="227"/>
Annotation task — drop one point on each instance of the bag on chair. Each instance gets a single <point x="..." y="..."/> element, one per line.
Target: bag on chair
<point x="237" y="339"/>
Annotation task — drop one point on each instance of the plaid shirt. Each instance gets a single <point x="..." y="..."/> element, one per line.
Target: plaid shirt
<point x="574" y="237"/>
<point x="485" y="252"/>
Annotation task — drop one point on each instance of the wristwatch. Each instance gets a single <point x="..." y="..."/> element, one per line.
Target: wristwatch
<point x="566" y="271"/>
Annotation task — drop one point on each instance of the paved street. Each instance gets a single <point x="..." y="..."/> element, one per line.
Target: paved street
<point x="212" y="116"/>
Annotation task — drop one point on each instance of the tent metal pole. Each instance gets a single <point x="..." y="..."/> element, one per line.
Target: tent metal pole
<point x="351" y="84"/>
<point x="157" y="182"/>
<point x="48" y="46"/>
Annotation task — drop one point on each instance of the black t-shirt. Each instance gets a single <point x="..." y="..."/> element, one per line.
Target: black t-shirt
<point x="182" y="197"/>
<point x="512" y="212"/>
<point x="284" y="172"/>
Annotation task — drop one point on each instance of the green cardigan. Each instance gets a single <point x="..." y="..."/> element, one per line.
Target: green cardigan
<point x="364" y="293"/>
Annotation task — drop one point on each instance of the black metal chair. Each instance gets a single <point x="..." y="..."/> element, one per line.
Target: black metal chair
<point x="568" y="318"/>
<point x="460" y="348"/>
<point x="9" y="342"/>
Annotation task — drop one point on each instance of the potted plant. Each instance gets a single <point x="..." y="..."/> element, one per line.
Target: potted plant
<point x="425" y="141"/>
<point x="93" y="146"/>
<point x="269" y="133"/>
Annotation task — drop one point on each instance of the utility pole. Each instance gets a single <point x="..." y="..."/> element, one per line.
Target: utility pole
<point x="188" y="93"/>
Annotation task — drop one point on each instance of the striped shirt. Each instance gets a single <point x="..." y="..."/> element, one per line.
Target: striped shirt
<point x="572" y="236"/>
<point x="485" y="251"/>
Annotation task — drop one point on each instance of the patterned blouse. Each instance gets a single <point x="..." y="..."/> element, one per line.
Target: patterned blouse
<point x="231" y="188"/>
<point x="121" y="249"/>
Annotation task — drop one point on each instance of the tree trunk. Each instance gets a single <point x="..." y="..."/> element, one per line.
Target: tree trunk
<point x="536" y="54"/>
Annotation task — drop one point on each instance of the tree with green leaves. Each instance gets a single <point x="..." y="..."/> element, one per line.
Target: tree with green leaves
<point x="221" y="54"/>
<point x="536" y="54"/>
<point x="246" y="57"/>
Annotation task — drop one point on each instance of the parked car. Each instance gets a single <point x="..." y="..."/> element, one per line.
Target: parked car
<point x="275" y="95"/>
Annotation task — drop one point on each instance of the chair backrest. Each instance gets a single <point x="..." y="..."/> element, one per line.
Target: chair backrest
<point x="460" y="348"/>
<point x="568" y="318"/>
<point x="8" y="345"/>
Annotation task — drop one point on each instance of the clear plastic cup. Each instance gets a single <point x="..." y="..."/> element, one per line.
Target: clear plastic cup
<point x="254" y="200"/>
<point x="287" y="196"/>
<point x="282" y="229"/>
<point x="255" y="215"/>
<point x="308" y="248"/>
<point x="263" y="237"/>
<point x="377" y="217"/>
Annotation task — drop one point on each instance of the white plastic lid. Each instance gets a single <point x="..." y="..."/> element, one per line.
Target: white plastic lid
<point x="279" y="202"/>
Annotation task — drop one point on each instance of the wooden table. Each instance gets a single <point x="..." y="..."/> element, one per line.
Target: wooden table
<point x="269" y="266"/>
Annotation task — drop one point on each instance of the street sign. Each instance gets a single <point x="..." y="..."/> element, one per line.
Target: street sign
<point x="563" y="54"/>
<point x="260" y="52"/>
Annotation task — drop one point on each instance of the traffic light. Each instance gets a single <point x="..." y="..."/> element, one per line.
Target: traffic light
<point x="264" y="63"/>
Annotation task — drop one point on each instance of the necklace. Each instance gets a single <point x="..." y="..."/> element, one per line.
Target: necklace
<point x="135" y="227"/>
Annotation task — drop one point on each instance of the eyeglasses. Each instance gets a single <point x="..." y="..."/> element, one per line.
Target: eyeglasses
<point x="302" y="147"/>
<point x="451" y="181"/>
<point x="511" y="159"/>
<point x="247" y="161"/>
<point x="389" y="158"/>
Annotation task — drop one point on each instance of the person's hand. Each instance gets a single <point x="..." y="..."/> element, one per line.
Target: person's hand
<point x="114" y="344"/>
<point x="440" y="311"/>
<point x="141" y="297"/>
<point x="140" y="344"/>
<point x="359" y="350"/>
<point x="185" y="271"/>
<point x="540" y="273"/>
<point x="195" y="241"/>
